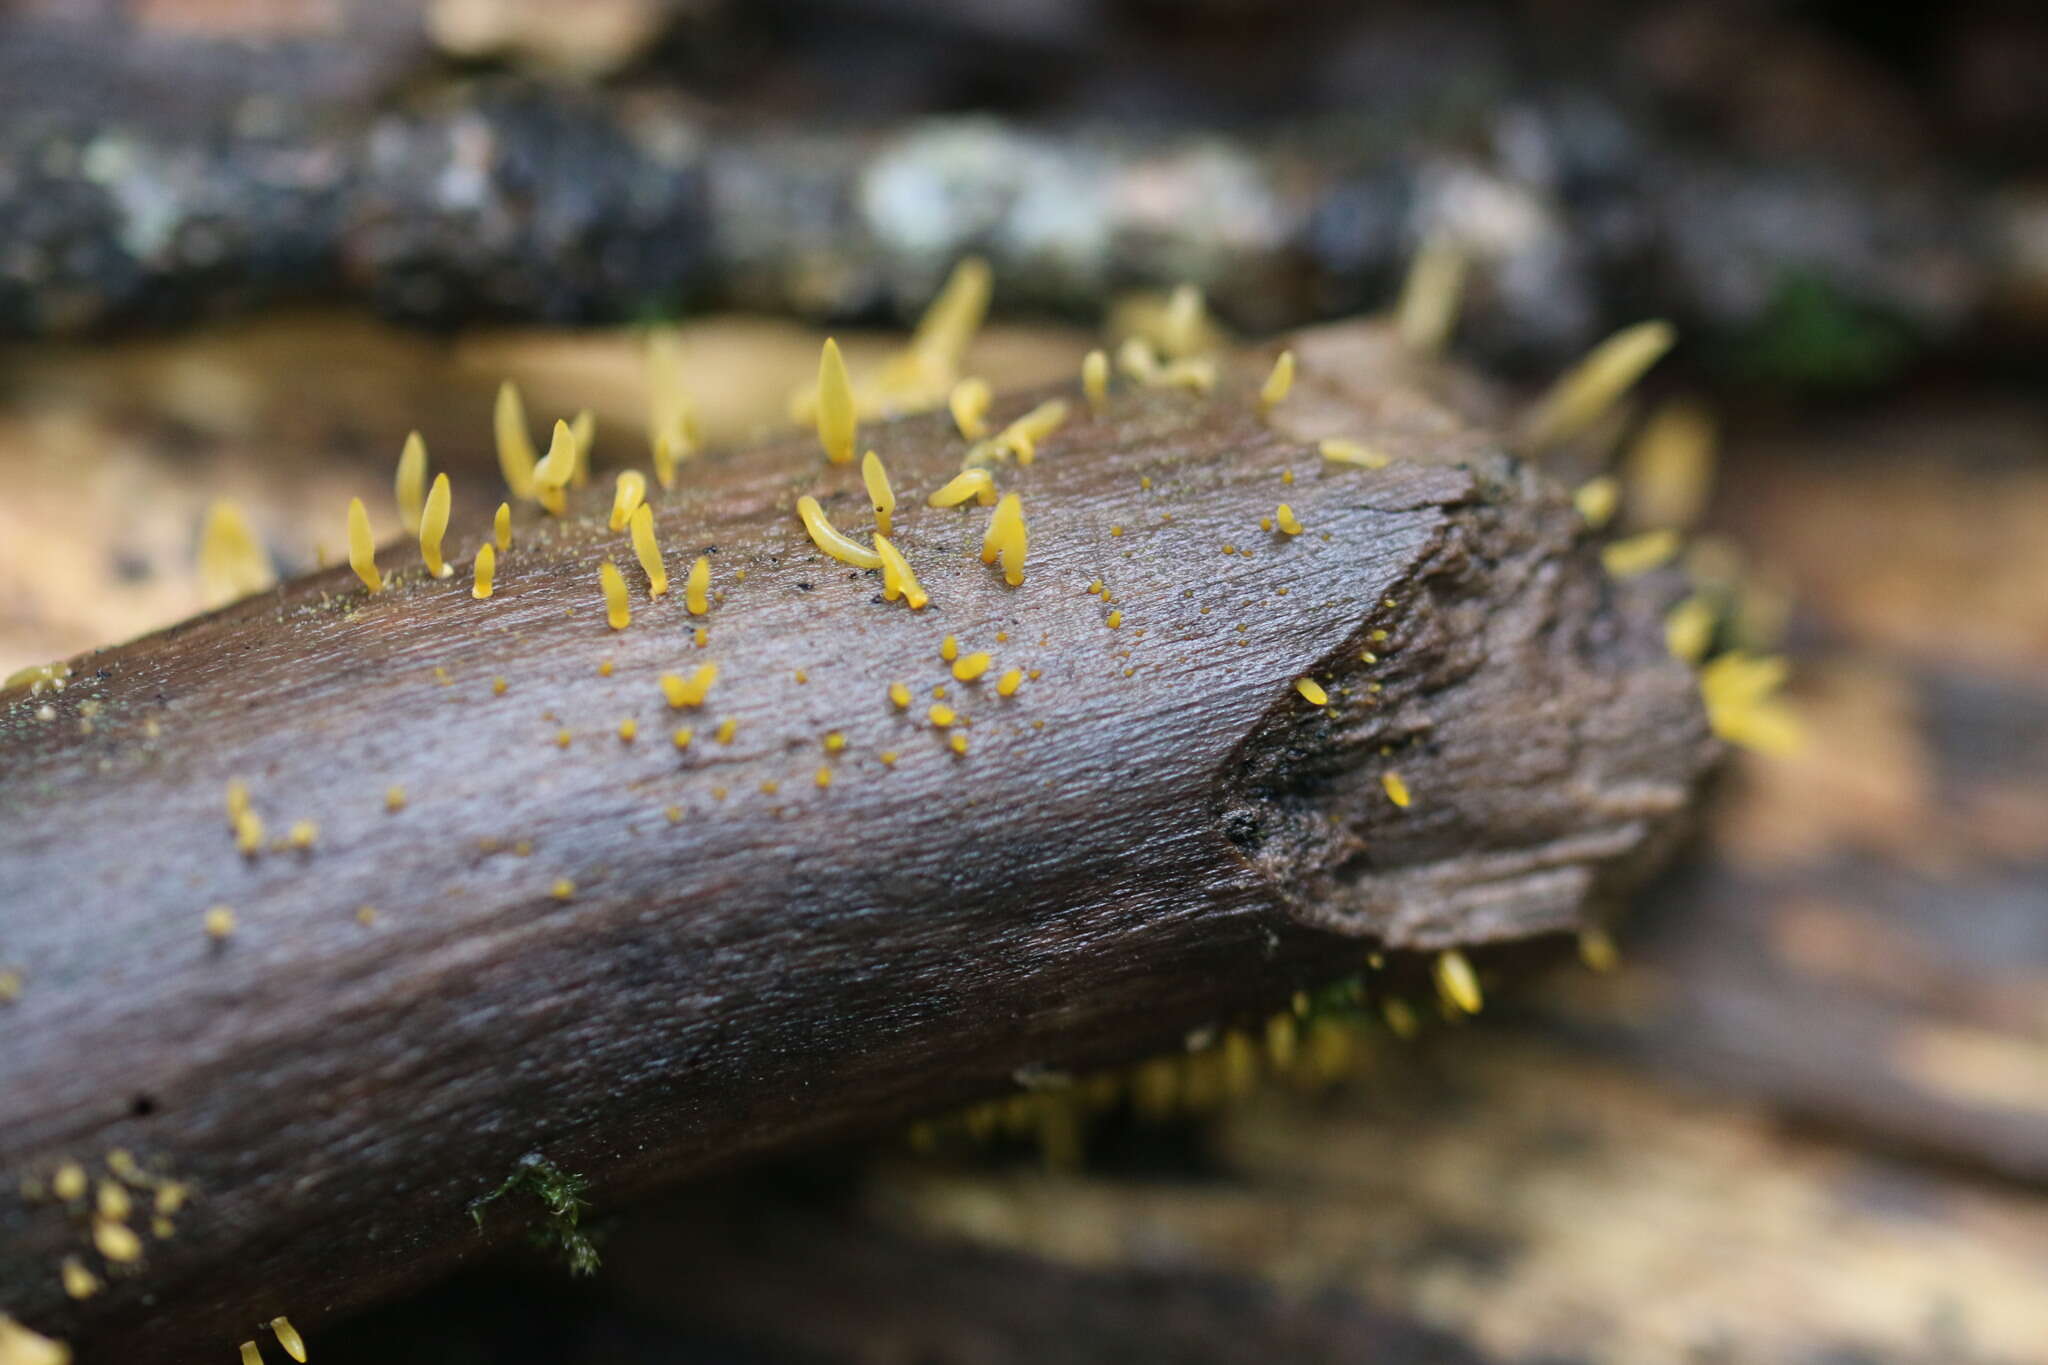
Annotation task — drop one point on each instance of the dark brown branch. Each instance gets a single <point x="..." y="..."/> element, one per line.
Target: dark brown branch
<point x="1155" y="832"/>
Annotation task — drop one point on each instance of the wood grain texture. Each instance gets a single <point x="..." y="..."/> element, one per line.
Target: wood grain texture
<point x="1183" y="839"/>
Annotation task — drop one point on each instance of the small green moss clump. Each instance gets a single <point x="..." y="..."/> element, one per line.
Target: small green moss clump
<point x="560" y="1194"/>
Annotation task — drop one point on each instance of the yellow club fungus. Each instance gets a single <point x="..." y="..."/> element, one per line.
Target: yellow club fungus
<point x="940" y="341"/>
<point x="941" y="714"/>
<point x="1095" y="380"/>
<point x="434" y="526"/>
<point x="563" y="889"/>
<point x="629" y="730"/>
<point x="1670" y="469"/>
<point x="899" y="695"/>
<point x="116" y="1241"/>
<point x="649" y="552"/>
<point x="1597" y="950"/>
<point x="627" y="493"/>
<point x="232" y="564"/>
<point x="835" y="406"/>
<point x="1456" y="980"/>
<point x="664" y="461"/>
<point x="251" y="1355"/>
<point x="289" y="1338"/>
<point x="1584" y="393"/>
<point x="112" y="1201"/>
<point x="1007" y="685"/>
<point x="501" y="527"/>
<point x="362" y="547"/>
<point x="20" y="1346"/>
<point x="879" y="493"/>
<point x="1137" y="359"/>
<point x="79" y="1283"/>
<point x="1284" y="516"/>
<point x="1742" y="706"/>
<point x="671" y="416"/>
<point x="823" y="777"/>
<point x="949" y="649"/>
<point x="1114" y="620"/>
<point x="681" y="693"/>
<point x="1007" y="539"/>
<point x="552" y="475"/>
<point x="727" y="728"/>
<point x="969" y="667"/>
<point x="830" y="540"/>
<point x="1312" y="691"/>
<point x="958" y="742"/>
<point x="584" y="429"/>
<point x="1430" y="295"/>
<point x="394" y="799"/>
<point x="681" y="738"/>
<point x="976" y="483"/>
<point x="1277" y="383"/>
<point x="69" y="1184"/>
<point x="515" y="443"/>
<point x="1183" y="326"/>
<point x="1596" y="499"/>
<point x="1022" y="436"/>
<point x="302" y="834"/>
<point x="409" y="487"/>
<point x="1639" y="554"/>
<point x="968" y="402"/>
<point x="1396" y="789"/>
<point x="897" y="578"/>
<point x="1689" y="629"/>
<point x="617" y="613"/>
<point x="1339" y="451"/>
<point x="697" y="589"/>
<point x="486" y="568"/>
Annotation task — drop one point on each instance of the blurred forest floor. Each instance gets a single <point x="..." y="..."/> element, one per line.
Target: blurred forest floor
<point x="1806" y="1119"/>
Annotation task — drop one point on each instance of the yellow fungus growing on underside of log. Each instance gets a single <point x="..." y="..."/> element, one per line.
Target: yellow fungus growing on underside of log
<point x="1430" y="295"/>
<point x="79" y="1282"/>
<point x="1457" y="981"/>
<point x="1340" y="451"/>
<point x="1597" y="950"/>
<point x="617" y="613"/>
<point x="969" y="667"/>
<point x="1007" y="685"/>
<point x="941" y="715"/>
<point x="1689" y="628"/>
<point x="1638" y="554"/>
<point x="900" y="696"/>
<point x="1584" y="393"/>
<point x="251" y="1355"/>
<point x="1669" y="472"/>
<point x="1740" y="693"/>
<point x="968" y="402"/>
<point x="116" y="1241"/>
<point x="648" y="550"/>
<point x="690" y="692"/>
<point x="836" y="424"/>
<point x="289" y="1338"/>
<point x="1312" y="691"/>
<point x="1396" y="788"/>
<point x="1284" y="515"/>
<point x="949" y="648"/>
<point x="362" y="546"/>
<point x="1596" y="499"/>
<point x="20" y="1346"/>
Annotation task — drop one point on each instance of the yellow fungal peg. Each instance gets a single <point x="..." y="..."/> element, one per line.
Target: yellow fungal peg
<point x="969" y="667"/>
<point x="1670" y="469"/>
<point x="486" y="569"/>
<point x="951" y="321"/>
<point x="1095" y="380"/>
<point x="897" y="578"/>
<point x="1023" y="435"/>
<point x="553" y="474"/>
<point x="1006" y="539"/>
<point x="1283" y="515"/>
<point x="949" y="648"/>
<point x="671" y="416"/>
<point x="232" y="564"/>
<point x="1007" y="685"/>
<point x="409" y="487"/>
<point x="584" y="429"/>
<point x="1584" y="393"/>
<point x="941" y="715"/>
<point x="617" y="613"/>
<point x="697" y="587"/>
<point x="1312" y="691"/>
<point x="976" y="483"/>
<point x="1689" y="629"/>
<point x="1277" y="383"/>
<point x="648" y="551"/>
<point x="1742" y="706"/>
<point x="434" y="526"/>
<point x="501" y="527"/>
<point x="831" y="541"/>
<point x="899" y="696"/>
<point x="1339" y="451"/>
<point x="1430" y="296"/>
<point x="1395" y="788"/>
<point x="691" y="692"/>
<point x="1457" y="982"/>
<point x="628" y="493"/>
<point x="515" y="443"/>
<point x="880" y="494"/>
<point x="251" y="1353"/>
<point x="362" y="547"/>
<point x="1137" y="359"/>
<point x="835" y="405"/>
<point x="1639" y="554"/>
<point x="1596" y="499"/>
<point x="289" y="1338"/>
<point x="968" y="402"/>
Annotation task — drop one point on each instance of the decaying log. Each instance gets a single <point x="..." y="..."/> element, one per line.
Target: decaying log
<point x="642" y="961"/>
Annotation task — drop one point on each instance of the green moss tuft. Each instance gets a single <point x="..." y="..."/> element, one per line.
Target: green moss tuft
<point x="556" y="1227"/>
